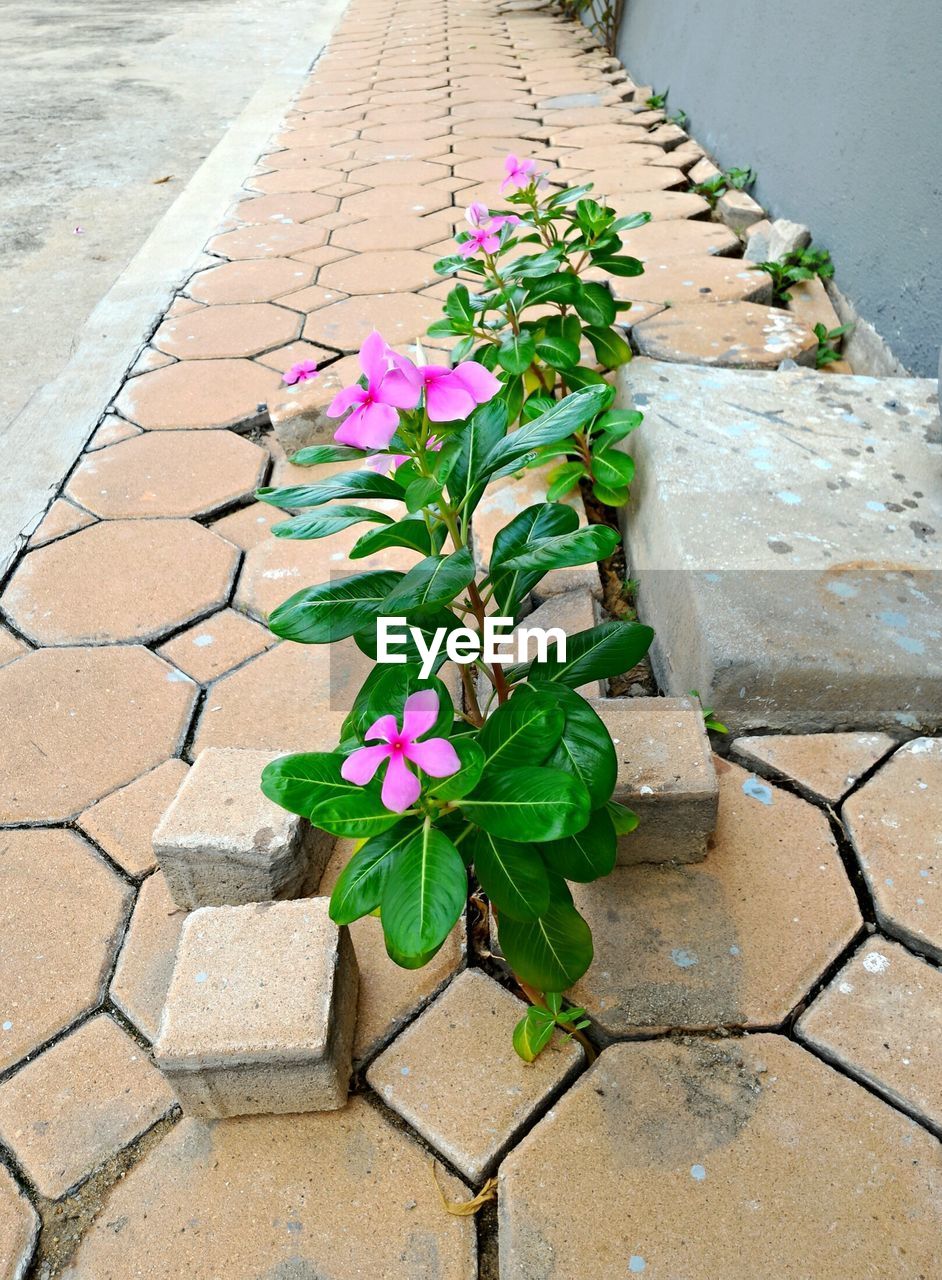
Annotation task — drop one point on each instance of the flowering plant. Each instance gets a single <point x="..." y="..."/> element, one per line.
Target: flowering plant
<point x="511" y="782"/>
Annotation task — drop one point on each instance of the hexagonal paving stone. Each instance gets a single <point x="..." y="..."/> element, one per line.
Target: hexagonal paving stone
<point x="823" y="766"/>
<point x="212" y="393"/>
<point x="142" y="974"/>
<point x="308" y="299"/>
<point x="396" y="202"/>
<point x="237" y="329"/>
<point x="399" y="231"/>
<point x="400" y="318"/>
<point x="694" y="279"/>
<point x="736" y="940"/>
<point x="62" y="911"/>
<point x="678" y="239"/>
<point x="291" y="181"/>
<point x="61" y="518"/>
<point x="180" y="473"/>
<point x="218" y="644"/>
<point x="735" y="1159"/>
<point x="278" y="240"/>
<point x="113" y="429"/>
<point x="381" y="272"/>
<point x="254" y="280"/>
<point x="249" y="525"/>
<point x="112" y="714"/>
<point x="389" y="995"/>
<point x="400" y="173"/>
<point x="895" y="824"/>
<point x="11" y="646"/>
<point x="123" y="823"/>
<point x="300" y="206"/>
<point x="662" y="205"/>
<point x="120" y="580"/>
<point x="731" y="335"/>
<point x="273" y="1196"/>
<point x="294" y="697"/>
<point x="628" y="181"/>
<point x="19" y="1228"/>
<point x="284" y="357"/>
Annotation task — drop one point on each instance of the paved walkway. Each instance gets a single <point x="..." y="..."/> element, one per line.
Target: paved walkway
<point x="134" y="637"/>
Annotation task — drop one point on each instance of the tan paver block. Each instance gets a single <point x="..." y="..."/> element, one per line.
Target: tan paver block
<point x="261" y="1010"/>
<point x="274" y="240"/>
<point x="179" y="473"/>
<point x="255" y="280"/>
<point x="113" y="429"/>
<point x="214" y="393"/>
<point x="79" y="1103"/>
<point x="613" y="155"/>
<point x="665" y="775"/>
<point x="381" y="272"/>
<point x="454" y="1076"/>
<point x="810" y="301"/>
<point x="11" y="646"/>
<point x="733" y="335"/>
<point x="389" y="995"/>
<point x="221" y="842"/>
<point x="823" y="766"/>
<point x="738" y="210"/>
<point x="629" y="180"/>
<point x="396" y="173"/>
<point x="409" y="201"/>
<point x="403" y="231"/>
<point x="62" y="911"/>
<point x="384" y="130"/>
<point x="61" y="518"/>
<point x="215" y="646"/>
<point x="880" y="1019"/>
<point x="123" y="823"/>
<point x="284" y="357"/>
<point x="278" y="1194"/>
<point x="595" y="134"/>
<point x="19" y="1229"/>
<point x="663" y="206"/>
<point x="676" y="239"/>
<point x="289" y="181"/>
<point x="895" y="824"/>
<point x="506" y="498"/>
<point x="182" y="306"/>
<point x="111" y="582"/>
<point x="737" y="940"/>
<point x="435" y="148"/>
<point x="247" y="526"/>
<point x="695" y="278"/>
<point x="248" y="707"/>
<point x="237" y="329"/>
<point x="312" y="159"/>
<point x="142" y="974"/>
<point x="111" y="713"/>
<point x="299" y="206"/>
<point x="769" y="1162"/>
<point x="345" y="325"/>
<point x="306" y="300"/>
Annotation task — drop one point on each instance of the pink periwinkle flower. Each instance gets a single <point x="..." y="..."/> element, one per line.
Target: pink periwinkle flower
<point x="517" y="173"/>
<point x="374" y="419"/>
<point x="436" y="756"/>
<point x="385" y="464"/>
<point x="450" y="394"/>
<point x="485" y="229"/>
<point x="303" y="371"/>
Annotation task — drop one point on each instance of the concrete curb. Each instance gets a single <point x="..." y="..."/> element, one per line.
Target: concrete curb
<point x="44" y="440"/>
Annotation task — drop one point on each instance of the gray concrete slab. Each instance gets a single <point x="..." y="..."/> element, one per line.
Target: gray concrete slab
<point x="786" y="533"/>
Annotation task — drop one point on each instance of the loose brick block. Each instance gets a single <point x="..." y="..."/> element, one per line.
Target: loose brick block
<point x="739" y="210"/>
<point x="221" y="841"/>
<point x="261" y="1010"/>
<point x="665" y="774"/>
<point x="454" y="1075"/>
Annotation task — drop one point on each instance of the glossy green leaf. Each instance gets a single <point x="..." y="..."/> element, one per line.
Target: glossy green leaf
<point x="585" y="748"/>
<point x="619" y="265"/>
<point x="564" y="479"/>
<point x="562" y="286"/>
<point x="359" y="888"/>
<point x="424" y="491"/>
<point x="516" y="352"/>
<point x="610" y="347"/>
<point x="466" y="779"/>
<point x="304" y="780"/>
<point x="528" y="727"/>
<point x="612" y="468"/>
<point x="618" y="423"/>
<point x="533" y="1033"/>
<point x="595" y="304"/>
<point x="552" y="952"/>
<point x="512" y="875"/>
<point x="317" y="453"/>
<point x="411" y="532"/>
<point x="598" y="653"/>
<point x="428" y="622"/>
<point x="625" y="821"/>
<point x="323" y="522"/>
<point x="581" y="546"/>
<point x="350" y="484"/>
<point x="566" y="416"/>
<point x="425" y="892"/>
<point x="434" y="581"/>
<point x="480" y="435"/>
<point x="528" y="803"/>
<point x="384" y="692"/>
<point x="588" y="854"/>
<point x="333" y="610"/>
<point x="558" y="352"/>
<point x="534" y="524"/>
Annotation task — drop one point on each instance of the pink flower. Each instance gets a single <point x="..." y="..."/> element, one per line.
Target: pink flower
<point x="484" y="229"/>
<point x="437" y="757"/>
<point x="450" y="394"/>
<point x="386" y="463"/>
<point x="303" y="371"/>
<point x="518" y="173"/>
<point x="373" y="422"/>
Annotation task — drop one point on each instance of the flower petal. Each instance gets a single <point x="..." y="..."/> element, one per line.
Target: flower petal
<point x="419" y="713"/>
<point x="476" y="380"/>
<point x="446" y="400"/>
<point x="385" y="727"/>
<point x="401" y="788"/>
<point x="374" y="358"/>
<point x="436" y="756"/>
<point x="370" y="427"/>
<point x="363" y="763"/>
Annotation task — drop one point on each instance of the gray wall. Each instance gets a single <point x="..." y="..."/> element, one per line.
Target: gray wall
<point x="839" y="109"/>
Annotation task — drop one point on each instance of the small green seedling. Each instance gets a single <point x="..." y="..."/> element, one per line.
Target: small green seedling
<point x="827" y="352"/>
<point x="801" y="264"/>
<point x="656" y="100"/>
<point x="679" y="118"/>
<point x="535" y="1029"/>
<point x="720" y="183"/>
<point x="709" y="716"/>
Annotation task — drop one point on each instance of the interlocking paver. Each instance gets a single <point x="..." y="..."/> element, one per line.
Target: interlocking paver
<point x="179" y="473"/>
<point x="11" y="646"/>
<point x="249" y="525"/>
<point x="123" y="822"/>
<point x="254" y="280"/>
<point x="895" y="823"/>
<point x="19" y="1228"/>
<point x="237" y="329"/>
<point x="112" y="713"/>
<point x="62" y="911"/>
<point x="145" y="963"/>
<point x="113" y="429"/>
<point x="733" y="335"/>
<point x="695" y="278"/>
<point x="880" y="1019"/>
<point x="274" y="1195"/>
<point x="211" y="648"/>
<point x="662" y="205"/>
<point x="273" y="240"/>
<point x="212" y="393"/>
<point x="110" y="582"/>
<point x="396" y="232"/>
<point x="298" y="207"/>
<point x="737" y="1159"/>
<point x="62" y="517"/>
<point x="79" y="1103"/>
<point x="400" y="318"/>
<point x="290" y="181"/>
<point x="381" y="272"/>
<point x="824" y="766"/>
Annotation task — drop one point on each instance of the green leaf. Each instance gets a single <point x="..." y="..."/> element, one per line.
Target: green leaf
<point x="350" y="484"/>
<point x="562" y="286"/>
<point x="588" y="854"/>
<point x="618" y="423"/>
<point x="535" y="523"/>
<point x="459" y="310"/>
<point x="552" y="952"/>
<point x="567" y="416"/>
<point x="558" y="352"/>
<point x="622" y="817"/>
<point x="595" y="654"/>
<point x="384" y="692"/>
<point x="479" y="436"/>
<point x="512" y="875"/>
<point x="321" y="524"/>
<point x="583" y="546"/>
<point x="610" y="347"/>
<point x="425" y="893"/>
<point x="631" y="222"/>
<point x="316" y="453"/>
<point x="427" y="622"/>
<point x="528" y="803"/>
<point x="609" y="497"/>
<point x="516" y="352"/>
<point x="539" y="264"/>
<point x="563" y="479"/>
<point x="525" y="728"/>
<point x="466" y="779"/>
<point x="310" y="784"/>
<point x="619" y="265"/>
<point x="359" y="888"/>
<point x="333" y="610"/>
<point x="434" y="581"/>
<point x="411" y="532"/>
<point x="612" y="468"/>
<point x="425" y="491"/>
<point x="585" y="748"/>
<point x="595" y="304"/>
<point x="533" y="1033"/>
